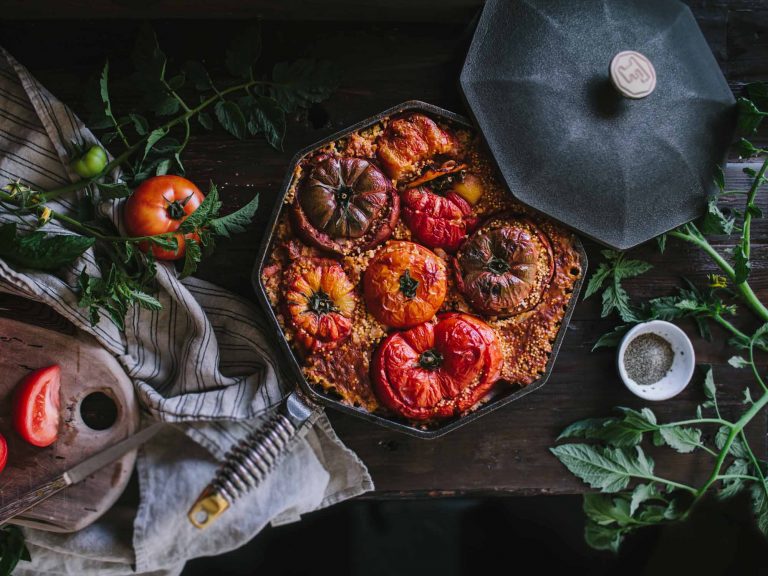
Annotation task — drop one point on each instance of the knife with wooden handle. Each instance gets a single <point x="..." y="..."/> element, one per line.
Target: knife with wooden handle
<point x="78" y="473"/>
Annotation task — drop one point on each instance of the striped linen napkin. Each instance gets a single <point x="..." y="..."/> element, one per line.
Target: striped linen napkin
<point x="202" y="362"/>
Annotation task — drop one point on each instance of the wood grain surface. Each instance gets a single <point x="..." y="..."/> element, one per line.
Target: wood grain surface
<point x="389" y="55"/>
<point x="86" y="368"/>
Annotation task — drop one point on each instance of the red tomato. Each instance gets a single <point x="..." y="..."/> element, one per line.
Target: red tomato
<point x="404" y="284"/>
<point x="437" y="369"/>
<point x="159" y="205"/>
<point x="3" y="452"/>
<point x="36" y="406"/>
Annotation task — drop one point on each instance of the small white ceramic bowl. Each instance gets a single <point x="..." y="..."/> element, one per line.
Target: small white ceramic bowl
<point x="679" y="374"/>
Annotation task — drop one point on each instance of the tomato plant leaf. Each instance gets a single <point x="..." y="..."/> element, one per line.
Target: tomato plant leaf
<point x="738" y="362"/>
<point x="602" y="537"/>
<point x="208" y="209"/>
<point x="113" y="190"/>
<point x="192" y="257"/>
<point x="41" y="251"/>
<point x="148" y="59"/>
<point x="104" y="93"/>
<point x="613" y="338"/>
<point x="760" y="506"/>
<point x="140" y="123"/>
<point x="642" y="493"/>
<point x="630" y="268"/>
<point x="737" y="448"/>
<point x="154" y="137"/>
<point x="205" y="120"/>
<point x="231" y="118"/>
<point x="719" y="177"/>
<point x="237" y="221"/>
<point x="732" y="486"/>
<point x="749" y="116"/>
<point x="715" y="221"/>
<point x="741" y="264"/>
<point x="605" y="509"/>
<point x="597" y="279"/>
<point x="303" y="82"/>
<point x="12" y="549"/>
<point x="243" y="52"/>
<point x="747" y="149"/>
<point x="264" y="116"/>
<point x="608" y="469"/>
<point x="710" y="390"/>
<point x="177" y="82"/>
<point x="146" y="300"/>
<point x="613" y="431"/>
<point x="681" y="438"/>
<point x="644" y="420"/>
<point x="198" y="75"/>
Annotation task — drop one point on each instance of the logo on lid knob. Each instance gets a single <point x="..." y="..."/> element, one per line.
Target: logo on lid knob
<point x="633" y="74"/>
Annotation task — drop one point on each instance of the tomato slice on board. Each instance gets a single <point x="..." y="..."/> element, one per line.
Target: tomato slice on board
<point x="36" y="405"/>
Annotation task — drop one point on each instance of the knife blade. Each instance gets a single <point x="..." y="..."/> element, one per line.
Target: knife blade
<point x="77" y="473"/>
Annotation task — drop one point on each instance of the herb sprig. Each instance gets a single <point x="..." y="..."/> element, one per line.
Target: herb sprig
<point x="12" y="548"/>
<point x="150" y="140"/>
<point x="614" y="457"/>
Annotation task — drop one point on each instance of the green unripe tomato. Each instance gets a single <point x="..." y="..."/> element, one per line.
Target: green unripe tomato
<point x="91" y="163"/>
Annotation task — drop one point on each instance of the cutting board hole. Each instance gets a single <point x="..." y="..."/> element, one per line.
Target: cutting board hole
<point x="98" y="411"/>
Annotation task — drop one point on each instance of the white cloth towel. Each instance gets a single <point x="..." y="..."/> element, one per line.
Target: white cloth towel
<point x="203" y="362"/>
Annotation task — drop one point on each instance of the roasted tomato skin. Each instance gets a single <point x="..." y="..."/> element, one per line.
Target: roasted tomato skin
<point x="409" y="141"/>
<point x="320" y="303"/>
<point x="437" y="221"/>
<point x="343" y="204"/>
<point x="437" y="369"/>
<point x="504" y="267"/>
<point x="405" y="284"/>
<point x="158" y="206"/>
<point x="36" y="405"/>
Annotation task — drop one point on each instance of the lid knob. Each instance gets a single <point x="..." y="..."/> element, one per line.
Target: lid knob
<point x="633" y="74"/>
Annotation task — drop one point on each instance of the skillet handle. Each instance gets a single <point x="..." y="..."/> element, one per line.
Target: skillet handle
<point x="249" y="462"/>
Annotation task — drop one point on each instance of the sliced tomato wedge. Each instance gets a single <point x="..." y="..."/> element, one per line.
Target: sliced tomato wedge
<point x="3" y="452"/>
<point x="36" y="406"/>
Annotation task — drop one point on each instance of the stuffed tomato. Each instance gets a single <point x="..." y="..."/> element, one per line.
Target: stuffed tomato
<point x="345" y="205"/>
<point x="320" y="303"/>
<point x="437" y="369"/>
<point x="405" y="284"/>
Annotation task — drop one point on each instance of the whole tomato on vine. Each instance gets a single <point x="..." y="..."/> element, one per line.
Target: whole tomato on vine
<point x="159" y="206"/>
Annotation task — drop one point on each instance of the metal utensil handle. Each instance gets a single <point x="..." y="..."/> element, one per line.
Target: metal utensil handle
<point x="245" y="466"/>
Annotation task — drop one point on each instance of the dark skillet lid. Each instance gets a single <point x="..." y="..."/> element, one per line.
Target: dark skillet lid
<point x="607" y="115"/>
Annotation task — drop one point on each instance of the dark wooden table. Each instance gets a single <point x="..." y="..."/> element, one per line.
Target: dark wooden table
<point x="410" y="49"/>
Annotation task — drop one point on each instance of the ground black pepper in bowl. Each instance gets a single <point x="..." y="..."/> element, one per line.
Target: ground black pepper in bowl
<point x="648" y="358"/>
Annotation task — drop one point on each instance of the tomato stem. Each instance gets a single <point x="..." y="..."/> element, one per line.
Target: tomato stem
<point x="430" y="359"/>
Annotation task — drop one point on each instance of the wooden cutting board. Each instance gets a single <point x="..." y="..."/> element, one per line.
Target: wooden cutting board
<point x="86" y="368"/>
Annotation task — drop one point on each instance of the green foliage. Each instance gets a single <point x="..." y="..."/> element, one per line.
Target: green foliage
<point x="608" y="469"/>
<point x="615" y="457"/>
<point x="115" y="291"/>
<point x="690" y="302"/>
<point x="40" y="251"/>
<point x="12" y="549"/>
<point x="608" y="276"/>
<point x="152" y="145"/>
<point x="252" y="105"/>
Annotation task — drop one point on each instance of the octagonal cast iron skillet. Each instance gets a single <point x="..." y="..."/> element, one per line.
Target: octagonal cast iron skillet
<point x="252" y="459"/>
